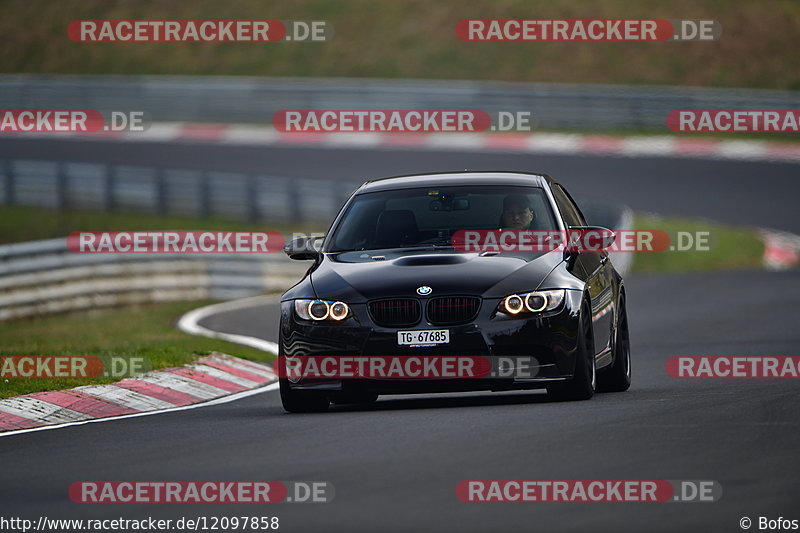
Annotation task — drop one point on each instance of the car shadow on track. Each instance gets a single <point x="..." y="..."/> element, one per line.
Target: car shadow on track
<point x="427" y="402"/>
<point x="408" y="402"/>
<point x="457" y="400"/>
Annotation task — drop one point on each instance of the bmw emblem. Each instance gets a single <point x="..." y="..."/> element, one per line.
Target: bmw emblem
<point x="424" y="290"/>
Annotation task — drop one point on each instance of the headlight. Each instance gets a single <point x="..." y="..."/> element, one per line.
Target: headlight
<point x="339" y="310"/>
<point x="512" y="304"/>
<point x="319" y="310"/>
<point x="532" y="302"/>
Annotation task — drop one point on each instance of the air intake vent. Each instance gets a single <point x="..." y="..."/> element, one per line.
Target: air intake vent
<point x="447" y="310"/>
<point x="395" y="313"/>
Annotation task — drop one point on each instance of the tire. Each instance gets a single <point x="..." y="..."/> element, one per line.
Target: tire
<point x="302" y="401"/>
<point x="617" y="378"/>
<point x="584" y="379"/>
<point x="353" y="397"/>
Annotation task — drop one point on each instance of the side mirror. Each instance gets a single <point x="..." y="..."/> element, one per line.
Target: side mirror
<point x="589" y="239"/>
<point x="303" y="248"/>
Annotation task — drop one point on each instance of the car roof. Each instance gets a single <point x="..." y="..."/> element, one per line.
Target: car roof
<point x="466" y="177"/>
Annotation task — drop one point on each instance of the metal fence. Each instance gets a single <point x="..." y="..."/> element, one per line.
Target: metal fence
<point x="290" y="201"/>
<point x="42" y="277"/>
<point x="195" y="193"/>
<point x="255" y="100"/>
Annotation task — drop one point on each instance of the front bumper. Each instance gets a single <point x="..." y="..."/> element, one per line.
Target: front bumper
<point x="545" y="344"/>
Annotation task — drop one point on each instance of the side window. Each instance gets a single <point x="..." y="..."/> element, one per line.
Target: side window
<point x="569" y="211"/>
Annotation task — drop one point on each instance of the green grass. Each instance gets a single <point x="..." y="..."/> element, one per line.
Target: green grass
<point x="19" y="223"/>
<point x="730" y="247"/>
<point x="416" y="39"/>
<point x="146" y="331"/>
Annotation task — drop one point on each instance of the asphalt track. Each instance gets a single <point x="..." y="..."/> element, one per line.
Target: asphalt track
<point x="395" y="465"/>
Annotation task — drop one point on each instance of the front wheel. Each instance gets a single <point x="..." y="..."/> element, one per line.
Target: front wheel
<point x="302" y="401"/>
<point x="584" y="379"/>
<point x="618" y="377"/>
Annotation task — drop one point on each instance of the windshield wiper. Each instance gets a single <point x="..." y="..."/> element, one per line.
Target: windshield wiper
<point x="432" y="245"/>
<point x="419" y="246"/>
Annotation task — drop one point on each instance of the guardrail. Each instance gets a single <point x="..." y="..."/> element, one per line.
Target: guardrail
<point x="164" y="191"/>
<point x="42" y="277"/>
<point x="172" y="191"/>
<point x="254" y="100"/>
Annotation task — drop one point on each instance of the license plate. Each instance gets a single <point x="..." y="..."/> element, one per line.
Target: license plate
<point x="423" y="337"/>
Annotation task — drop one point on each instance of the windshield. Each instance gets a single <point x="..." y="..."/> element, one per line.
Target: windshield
<point x="428" y="217"/>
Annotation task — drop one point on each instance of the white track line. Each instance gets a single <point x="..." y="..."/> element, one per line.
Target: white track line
<point x="189" y="323"/>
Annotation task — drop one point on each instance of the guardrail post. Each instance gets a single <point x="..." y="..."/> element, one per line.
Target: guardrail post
<point x="295" y="206"/>
<point x="205" y="195"/>
<point x="61" y="186"/>
<point x="161" y="191"/>
<point x="109" y="192"/>
<point x="253" y="211"/>
<point x="8" y="171"/>
<point x="637" y="119"/>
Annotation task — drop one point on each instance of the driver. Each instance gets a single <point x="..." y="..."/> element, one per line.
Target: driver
<point x="517" y="212"/>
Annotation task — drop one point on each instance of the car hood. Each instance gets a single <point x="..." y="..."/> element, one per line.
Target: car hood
<point x="357" y="278"/>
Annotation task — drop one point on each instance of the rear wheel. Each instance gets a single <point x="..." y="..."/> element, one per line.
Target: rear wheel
<point x="584" y="379"/>
<point x="617" y="378"/>
<point x="302" y="401"/>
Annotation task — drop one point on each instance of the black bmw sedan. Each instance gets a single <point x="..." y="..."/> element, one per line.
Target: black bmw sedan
<point x="429" y="283"/>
